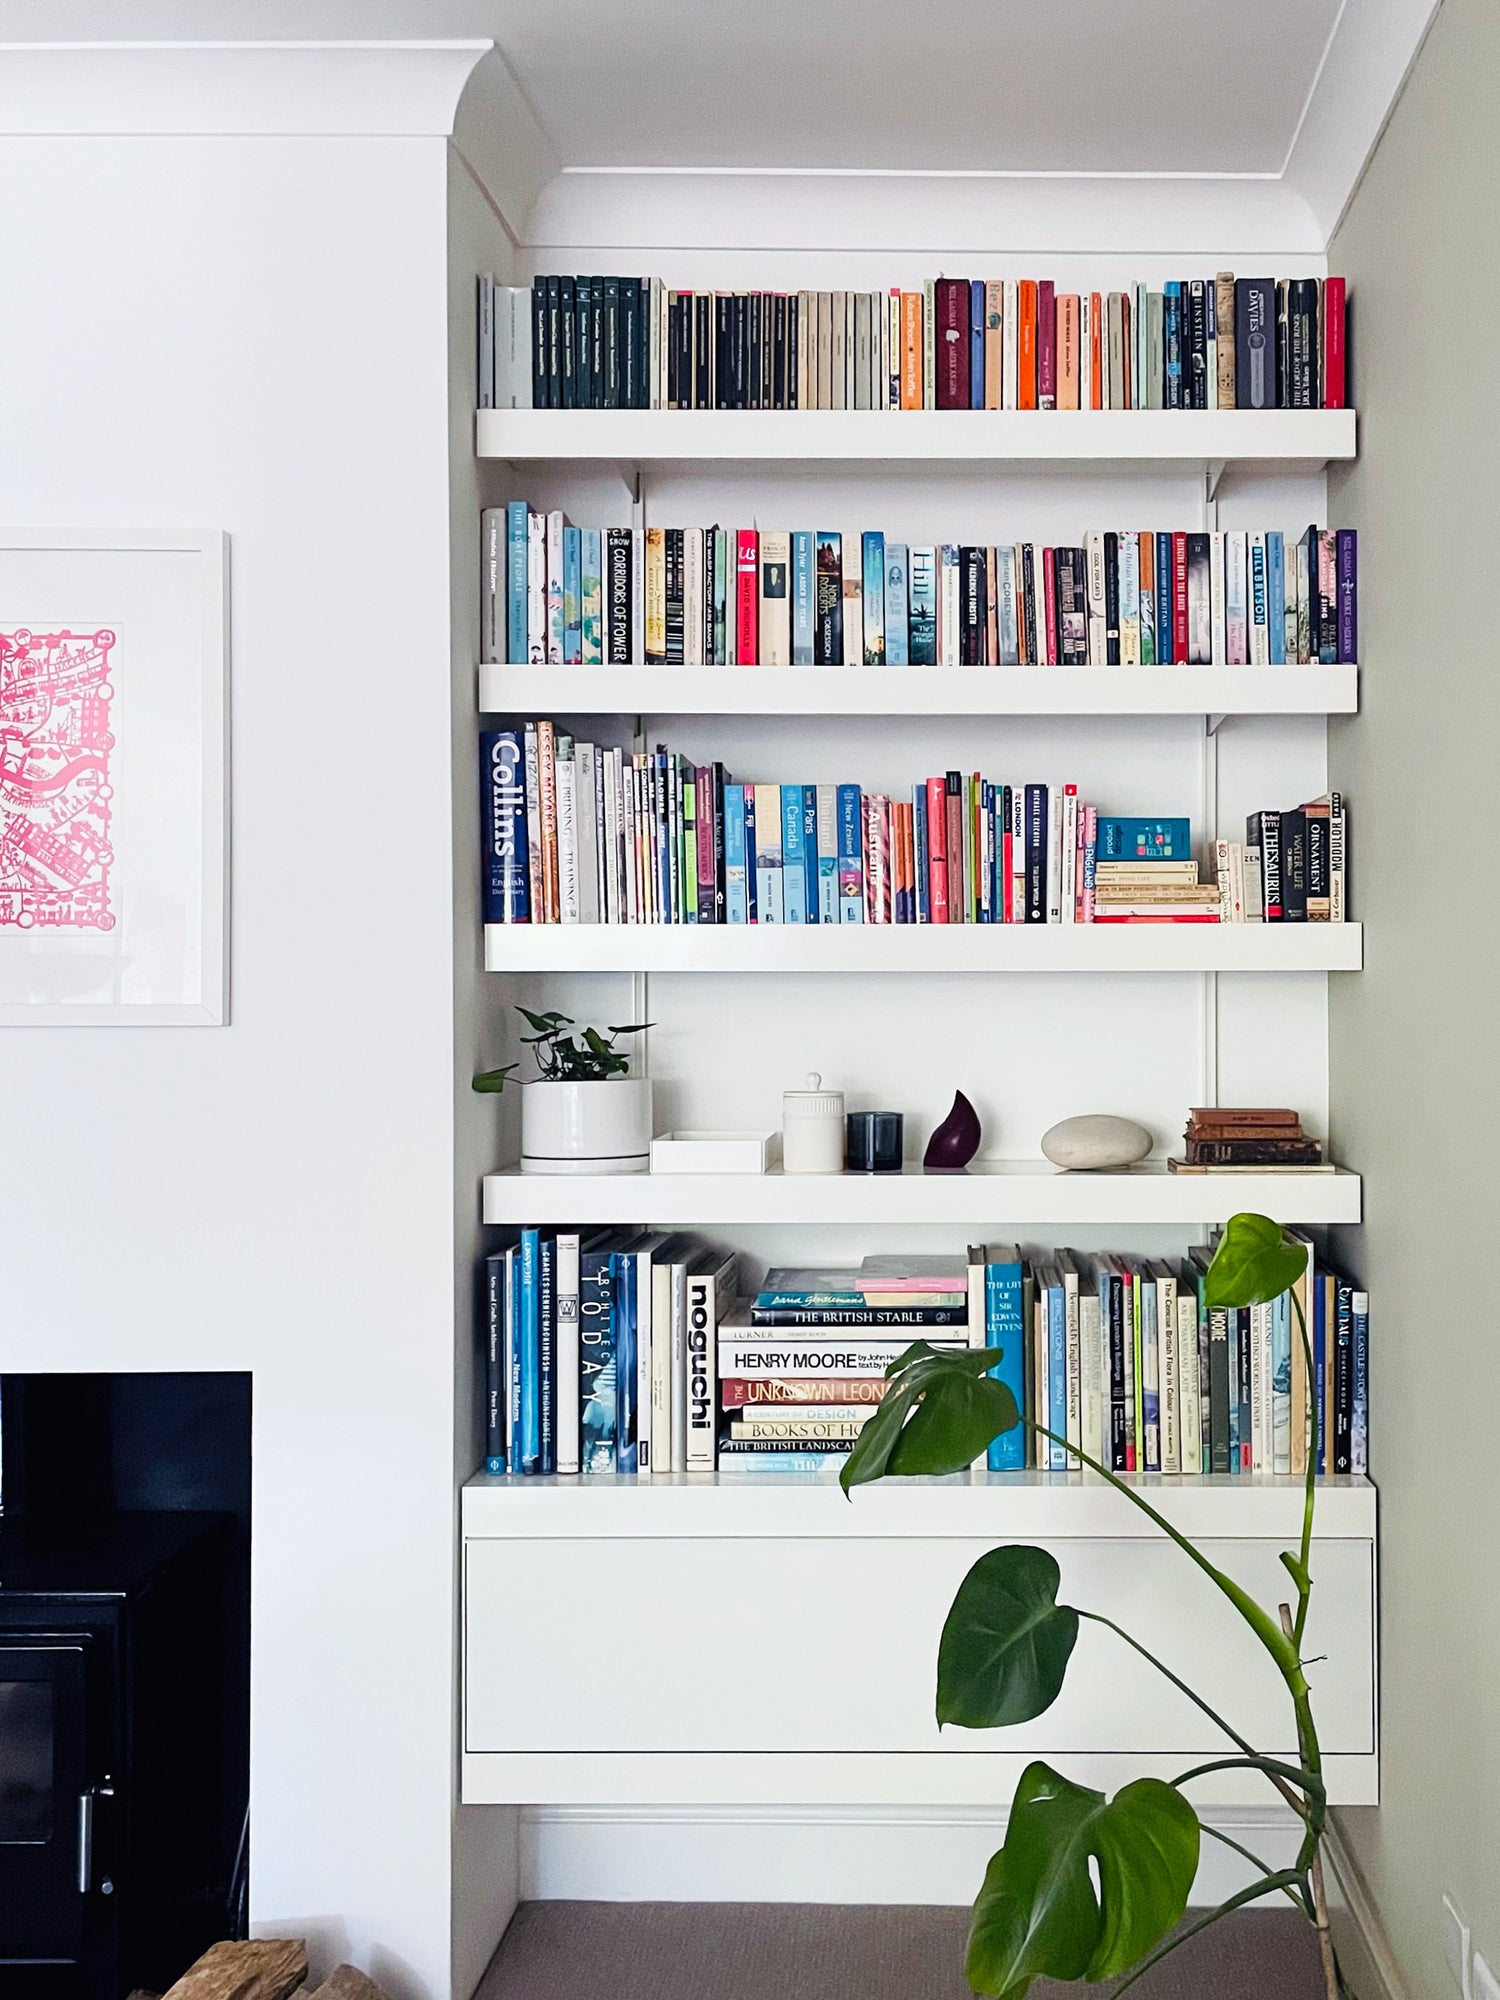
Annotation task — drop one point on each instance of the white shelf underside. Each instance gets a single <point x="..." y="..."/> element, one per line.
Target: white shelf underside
<point x="904" y="691"/>
<point x="1209" y="437"/>
<point x="935" y="948"/>
<point x="990" y="1196"/>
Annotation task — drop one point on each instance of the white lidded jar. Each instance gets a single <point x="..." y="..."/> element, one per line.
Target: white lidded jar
<point x="812" y="1129"/>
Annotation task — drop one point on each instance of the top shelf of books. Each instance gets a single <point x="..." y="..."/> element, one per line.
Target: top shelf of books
<point x="663" y="437"/>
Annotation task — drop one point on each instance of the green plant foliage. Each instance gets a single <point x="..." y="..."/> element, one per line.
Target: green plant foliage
<point x="565" y="1053"/>
<point x="938" y="1415"/>
<point x="1039" y="1912"/>
<point x="1006" y="1641"/>
<point x="1253" y="1264"/>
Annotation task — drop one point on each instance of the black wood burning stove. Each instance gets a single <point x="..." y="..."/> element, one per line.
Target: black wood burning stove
<point x="119" y="1796"/>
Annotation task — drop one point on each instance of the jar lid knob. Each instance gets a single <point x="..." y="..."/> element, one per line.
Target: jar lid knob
<point x="814" y="1079"/>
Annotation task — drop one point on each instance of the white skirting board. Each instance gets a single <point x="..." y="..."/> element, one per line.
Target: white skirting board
<point x="1358" y="1935"/>
<point x="815" y="1854"/>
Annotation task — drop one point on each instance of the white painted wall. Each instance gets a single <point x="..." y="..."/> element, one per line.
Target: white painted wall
<point x="249" y="334"/>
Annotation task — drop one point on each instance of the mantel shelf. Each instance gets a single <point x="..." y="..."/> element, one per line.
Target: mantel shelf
<point x="915" y="948"/>
<point x="657" y="690"/>
<point x="991" y="1196"/>
<point x="1212" y="438"/>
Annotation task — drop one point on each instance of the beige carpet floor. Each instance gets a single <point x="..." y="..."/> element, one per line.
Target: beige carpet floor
<point x="810" y="1951"/>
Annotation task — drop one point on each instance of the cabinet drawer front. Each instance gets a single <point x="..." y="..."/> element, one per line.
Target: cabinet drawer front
<point x="819" y="1645"/>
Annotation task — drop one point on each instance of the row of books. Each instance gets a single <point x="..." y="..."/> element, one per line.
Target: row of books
<point x="575" y="833"/>
<point x="1219" y="343"/>
<point x="1291" y="867"/>
<point x="555" y="594"/>
<point x="599" y="1351"/>
<point x="1233" y="1139"/>
<point x="620" y="1351"/>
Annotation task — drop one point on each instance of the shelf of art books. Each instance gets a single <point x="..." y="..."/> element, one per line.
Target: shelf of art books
<point x="985" y="1197"/>
<point x="898" y="691"/>
<point x="946" y="948"/>
<point x="973" y="1503"/>
<point x="1207" y="437"/>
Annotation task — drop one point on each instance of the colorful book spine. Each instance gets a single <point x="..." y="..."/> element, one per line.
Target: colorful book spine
<point x="803" y="598"/>
<point x="793" y="856"/>
<point x="507" y="894"/>
<point x="1004" y="1327"/>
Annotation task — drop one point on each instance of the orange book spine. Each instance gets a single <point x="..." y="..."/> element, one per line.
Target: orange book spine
<point x="1067" y="353"/>
<point x="911" y="350"/>
<point x="1096" y="350"/>
<point x="1026" y="350"/>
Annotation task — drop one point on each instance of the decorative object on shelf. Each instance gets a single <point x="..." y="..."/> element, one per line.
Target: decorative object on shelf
<point x="812" y="1129"/>
<point x="1096" y="1141"/>
<point x="1003" y="1657"/>
<point x="955" y="1142"/>
<point x="874" y="1142"/>
<point x="712" y="1152"/>
<point x="114" y="812"/>
<point x="584" y="1114"/>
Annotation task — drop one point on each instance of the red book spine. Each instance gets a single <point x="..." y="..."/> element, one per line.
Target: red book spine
<point x="747" y="597"/>
<point x="937" y="850"/>
<point x="1046" y="345"/>
<point x="951" y="304"/>
<point x="1179" y="598"/>
<point x="1049" y="592"/>
<point x="1335" y="344"/>
<point x="1096" y="351"/>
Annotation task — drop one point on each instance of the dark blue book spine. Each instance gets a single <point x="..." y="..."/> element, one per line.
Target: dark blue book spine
<point x="1255" y="343"/>
<point x="1343" y="1377"/>
<point x="810" y="852"/>
<point x="596" y="1364"/>
<point x="752" y="908"/>
<point x="1171" y="337"/>
<point x="1347" y="585"/>
<point x="1246" y="1430"/>
<point x="494" y="1362"/>
<point x="1320" y="1369"/>
<point x="547" y="1355"/>
<point x="531" y="1356"/>
<point x="507" y="895"/>
<point x="1164" y="656"/>
<point x="539" y="343"/>
<point x="622" y="1294"/>
<point x="976" y="343"/>
<point x="921" y="853"/>
<point x="1359" y="1429"/>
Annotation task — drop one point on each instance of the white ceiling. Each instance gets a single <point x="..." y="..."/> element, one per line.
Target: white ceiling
<point x="1039" y="86"/>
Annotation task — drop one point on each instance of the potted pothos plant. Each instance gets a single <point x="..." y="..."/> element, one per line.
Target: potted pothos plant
<point x="583" y="1113"/>
<point x="1088" y="1887"/>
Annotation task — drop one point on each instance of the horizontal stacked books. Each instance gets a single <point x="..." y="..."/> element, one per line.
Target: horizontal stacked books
<point x="553" y="594"/>
<point x="1224" y="1140"/>
<point x="1147" y="891"/>
<point x="804" y="1371"/>
<point x="1120" y="1357"/>
<point x="578" y="834"/>
<point x="599" y="1354"/>
<point x="1290" y="868"/>
<point x="1219" y="343"/>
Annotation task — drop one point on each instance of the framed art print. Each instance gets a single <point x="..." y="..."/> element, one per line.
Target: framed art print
<point x="113" y="778"/>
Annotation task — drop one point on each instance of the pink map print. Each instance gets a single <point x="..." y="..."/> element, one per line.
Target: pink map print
<point x="55" y="741"/>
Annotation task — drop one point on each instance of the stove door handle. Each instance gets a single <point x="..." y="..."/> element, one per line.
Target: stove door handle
<point x="86" y="1834"/>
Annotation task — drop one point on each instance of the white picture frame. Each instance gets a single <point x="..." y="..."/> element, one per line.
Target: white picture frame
<point x="114" y="777"/>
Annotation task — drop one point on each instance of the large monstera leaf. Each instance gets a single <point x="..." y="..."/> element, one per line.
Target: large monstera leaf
<point x="1040" y="1914"/>
<point x="940" y="1412"/>
<point x="1006" y="1641"/>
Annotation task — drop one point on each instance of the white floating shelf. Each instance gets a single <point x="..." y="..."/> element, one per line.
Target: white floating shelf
<point x="918" y="690"/>
<point x="528" y="948"/>
<point x="996" y="1504"/>
<point x="990" y="1196"/>
<point x="1212" y="437"/>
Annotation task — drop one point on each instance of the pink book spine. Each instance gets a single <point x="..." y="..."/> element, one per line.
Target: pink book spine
<point x="1090" y="818"/>
<point x="1046" y="345"/>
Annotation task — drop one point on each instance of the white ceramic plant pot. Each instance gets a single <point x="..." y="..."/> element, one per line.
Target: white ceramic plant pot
<point x="587" y="1128"/>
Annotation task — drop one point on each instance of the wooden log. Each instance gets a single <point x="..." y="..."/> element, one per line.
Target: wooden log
<point x="251" y="1969"/>
<point x="347" y="1983"/>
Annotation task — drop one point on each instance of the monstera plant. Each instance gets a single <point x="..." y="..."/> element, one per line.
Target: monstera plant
<point x="1089" y="1887"/>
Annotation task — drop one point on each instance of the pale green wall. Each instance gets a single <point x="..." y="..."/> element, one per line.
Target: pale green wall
<point x="1413" y="1081"/>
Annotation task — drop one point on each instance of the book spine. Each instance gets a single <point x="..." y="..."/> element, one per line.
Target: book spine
<point x="803" y="599"/>
<point x="1046" y="345"/>
<point x="700" y="1356"/>
<point x="507" y="897"/>
<point x="851" y="855"/>
<point x="828" y="631"/>
<point x="1347" y="564"/>
<point x="747" y="597"/>
<point x="494" y="1371"/>
<point x="1335" y="344"/>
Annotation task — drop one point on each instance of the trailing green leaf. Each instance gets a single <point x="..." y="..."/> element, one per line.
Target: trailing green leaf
<point x="494" y="1079"/>
<point x="1253" y="1264"/>
<point x="1039" y="1912"/>
<point x="940" y="1412"/>
<point x="1006" y="1641"/>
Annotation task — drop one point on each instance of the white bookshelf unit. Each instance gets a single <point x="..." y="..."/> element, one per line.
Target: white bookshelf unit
<point x="712" y="1583"/>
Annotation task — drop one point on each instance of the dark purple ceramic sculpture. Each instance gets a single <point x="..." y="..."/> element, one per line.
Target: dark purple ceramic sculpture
<point x="956" y="1140"/>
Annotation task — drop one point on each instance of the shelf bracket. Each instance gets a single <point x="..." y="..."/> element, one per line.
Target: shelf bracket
<point x="1213" y="472"/>
<point x="630" y="479"/>
<point x="1212" y="721"/>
